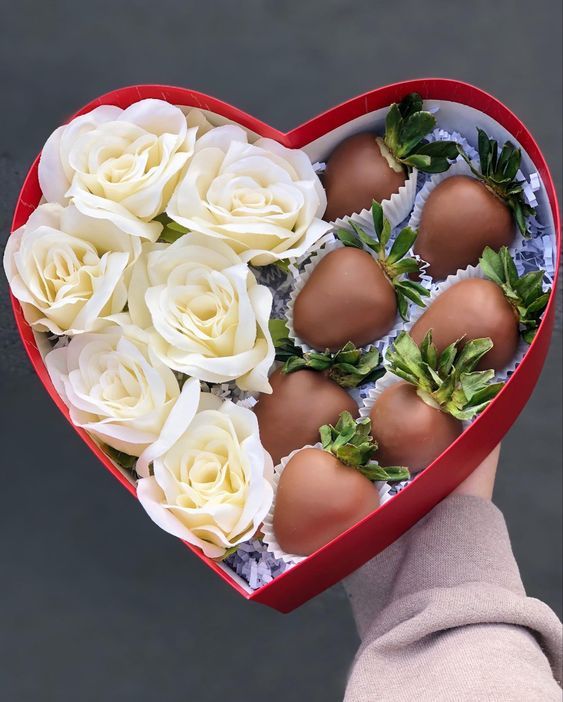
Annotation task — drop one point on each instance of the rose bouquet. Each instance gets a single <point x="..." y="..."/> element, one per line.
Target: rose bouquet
<point x="249" y="331"/>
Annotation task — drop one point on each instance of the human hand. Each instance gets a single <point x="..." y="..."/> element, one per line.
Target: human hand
<point x="482" y="481"/>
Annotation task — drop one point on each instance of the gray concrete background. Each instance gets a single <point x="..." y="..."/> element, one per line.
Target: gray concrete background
<point x="96" y="603"/>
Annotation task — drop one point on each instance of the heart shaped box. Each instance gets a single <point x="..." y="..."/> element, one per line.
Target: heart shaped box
<point x="462" y="107"/>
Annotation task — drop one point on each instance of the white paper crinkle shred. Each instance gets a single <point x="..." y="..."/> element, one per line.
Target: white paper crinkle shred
<point x="255" y="564"/>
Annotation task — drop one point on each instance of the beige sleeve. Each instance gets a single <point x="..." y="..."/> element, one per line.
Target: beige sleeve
<point x="443" y="616"/>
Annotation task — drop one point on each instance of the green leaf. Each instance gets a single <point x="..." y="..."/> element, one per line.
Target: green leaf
<point x="410" y="104"/>
<point x="413" y="285"/>
<point x="484" y="395"/>
<point x="448" y="381"/>
<point x="447" y="388"/>
<point x="510" y="271"/>
<point x="363" y="367"/>
<point x="348" y="367"/>
<point x="349" y="454"/>
<point x="403" y="243"/>
<point x="418" y="161"/>
<point x="437" y="165"/>
<point x="412" y="294"/>
<point x="529" y="286"/>
<point x="499" y="173"/>
<point x="484" y="149"/>
<point x="405" y="265"/>
<point x="282" y="264"/>
<point x="385" y="234"/>
<point x="472" y="353"/>
<point x="504" y="157"/>
<point x="169" y="235"/>
<point x="447" y="358"/>
<point x="177" y="227"/>
<point x="377" y="217"/>
<point x="375" y="472"/>
<point x="472" y="383"/>
<point x="122" y="459"/>
<point x="405" y="375"/>
<point x="434" y="375"/>
<point x="443" y="149"/>
<point x="412" y="130"/>
<point x="492" y="266"/>
<point x="349" y="440"/>
<point x="366" y="239"/>
<point x="348" y="239"/>
<point x="519" y="216"/>
<point x="529" y="334"/>
<point x="406" y="349"/>
<point x="350" y="354"/>
<point x="294" y="363"/>
<point x="402" y="304"/>
<point x="493" y="155"/>
<point x="538" y="305"/>
<point x="278" y="329"/>
<point x="513" y="163"/>
<point x="428" y="351"/>
<point x="392" y="127"/>
<point x="325" y="433"/>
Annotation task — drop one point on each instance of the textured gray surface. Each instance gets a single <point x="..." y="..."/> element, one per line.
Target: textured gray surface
<point x="96" y="603"/>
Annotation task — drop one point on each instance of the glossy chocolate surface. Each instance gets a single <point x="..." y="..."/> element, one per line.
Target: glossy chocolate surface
<point x="357" y="173"/>
<point x="473" y="308"/>
<point x="346" y="298"/>
<point x="317" y="499"/>
<point x="460" y="218"/>
<point x="300" y="403"/>
<point x="409" y="432"/>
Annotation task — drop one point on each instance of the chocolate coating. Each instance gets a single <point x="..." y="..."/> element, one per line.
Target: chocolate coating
<point x="300" y="403"/>
<point x="347" y="298"/>
<point x="410" y="432"/>
<point x="460" y="218"/>
<point x="357" y="173"/>
<point x="475" y="308"/>
<point x="317" y="499"/>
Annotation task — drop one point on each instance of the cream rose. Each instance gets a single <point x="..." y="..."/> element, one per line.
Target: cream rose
<point x="116" y="388"/>
<point x="67" y="269"/>
<point x="263" y="199"/>
<point x="211" y="482"/>
<point x="208" y="315"/>
<point x="117" y="164"/>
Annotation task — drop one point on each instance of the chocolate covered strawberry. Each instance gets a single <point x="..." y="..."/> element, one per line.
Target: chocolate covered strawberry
<point x="366" y="167"/>
<point x="415" y="420"/>
<point x="308" y="391"/>
<point x="505" y="307"/>
<point x="323" y="492"/>
<point x="463" y="215"/>
<point x="354" y="295"/>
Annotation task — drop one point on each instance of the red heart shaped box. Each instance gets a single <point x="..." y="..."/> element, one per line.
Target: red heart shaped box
<point x="374" y="533"/>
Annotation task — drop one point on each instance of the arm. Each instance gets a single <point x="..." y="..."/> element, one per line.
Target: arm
<point x="443" y="614"/>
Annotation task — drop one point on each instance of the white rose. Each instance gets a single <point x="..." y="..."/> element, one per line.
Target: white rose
<point x="67" y="269"/>
<point x="119" y="164"/>
<point x="263" y="199"/>
<point x="209" y="317"/>
<point x="212" y="478"/>
<point x="116" y="388"/>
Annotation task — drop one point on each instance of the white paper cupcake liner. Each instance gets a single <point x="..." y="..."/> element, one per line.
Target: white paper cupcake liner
<point x="396" y="208"/>
<point x="331" y="245"/>
<point x="270" y="540"/>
